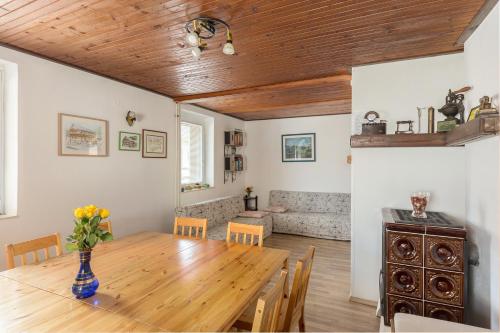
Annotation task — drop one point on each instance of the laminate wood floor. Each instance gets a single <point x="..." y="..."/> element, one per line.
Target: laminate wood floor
<point x="328" y="308"/>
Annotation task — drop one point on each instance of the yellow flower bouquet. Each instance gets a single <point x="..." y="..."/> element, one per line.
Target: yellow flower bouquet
<point x="87" y="231"/>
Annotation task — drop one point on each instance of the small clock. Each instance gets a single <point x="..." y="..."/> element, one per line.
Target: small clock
<point x="371" y="116"/>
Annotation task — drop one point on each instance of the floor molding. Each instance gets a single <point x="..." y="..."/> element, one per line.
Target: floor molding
<point x="362" y="301"/>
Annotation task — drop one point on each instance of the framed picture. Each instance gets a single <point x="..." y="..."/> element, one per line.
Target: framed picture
<point x="154" y="144"/>
<point x="82" y="136"/>
<point x="129" y="141"/>
<point x="298" y="147"/>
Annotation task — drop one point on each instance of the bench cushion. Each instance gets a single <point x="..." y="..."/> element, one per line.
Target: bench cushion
<point x="312" y="202"/>
<point x="218" y="211"/>
<point x="320" y="225"/>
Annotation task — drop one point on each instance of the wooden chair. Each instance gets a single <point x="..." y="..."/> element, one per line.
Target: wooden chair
<point x="32" y="246"/>
<point x="293" y="307"/>
<point x="106" y="226"/>
<point x="245" y="230"/>
<point x="192" y="225"/>
<point x="268" y="309"/>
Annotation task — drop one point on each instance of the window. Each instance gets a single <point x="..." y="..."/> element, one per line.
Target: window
<point x="191" y="153"/>
<point x="2" y="136"/>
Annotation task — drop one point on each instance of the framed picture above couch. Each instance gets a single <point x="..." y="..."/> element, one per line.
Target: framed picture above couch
<point x="298" y="147"/>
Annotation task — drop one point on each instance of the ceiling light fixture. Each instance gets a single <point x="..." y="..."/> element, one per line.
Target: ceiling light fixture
<point x="228" y="47"/>
<point x="193" y="37"/>
<point x="203" y="28"/>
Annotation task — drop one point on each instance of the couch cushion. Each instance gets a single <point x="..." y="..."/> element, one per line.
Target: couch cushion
<point x="316" y="202"/>
<point x="266" y="221"/>
<point x="276" y="209"/>
<point x="321" y="225"/>
<point x="253" y="214"/>
<point x="217" y="232"/>
<point x="218" y="211"/>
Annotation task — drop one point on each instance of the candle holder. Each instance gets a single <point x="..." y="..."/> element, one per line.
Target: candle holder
<point x="419" y="201"/>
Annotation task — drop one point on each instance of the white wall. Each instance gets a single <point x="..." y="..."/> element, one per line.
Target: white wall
<point x="395" y="89"/>
<point x="482" y="181"/>
<point x="266" y="171"/>
<point x="482" y="200"/>
<point x="221" y="123"/>
<point x="139" y="192"/>
<point x="385" y="177"/>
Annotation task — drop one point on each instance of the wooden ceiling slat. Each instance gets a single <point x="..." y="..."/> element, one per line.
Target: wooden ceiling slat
<point x="139" y="41"/>
<point x="332" y="103"/>
<point x="130" y="35"/>
<point x="179" y="30"/>
<point x="351" y="46"/>
<point x="137" y="62"/>
<point x="277" y="86"/>
<point x="306" y="111"/>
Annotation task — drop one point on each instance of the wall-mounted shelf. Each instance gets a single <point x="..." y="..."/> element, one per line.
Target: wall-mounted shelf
<point x="234" y="161"/>
<point x="471" y="131"/>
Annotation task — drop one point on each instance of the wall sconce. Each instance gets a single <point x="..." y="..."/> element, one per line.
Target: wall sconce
<point x="130" y="118"/>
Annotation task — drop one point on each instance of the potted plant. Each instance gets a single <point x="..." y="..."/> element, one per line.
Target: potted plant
<point x="249" y="190"/>
<point x="86" y="234"/>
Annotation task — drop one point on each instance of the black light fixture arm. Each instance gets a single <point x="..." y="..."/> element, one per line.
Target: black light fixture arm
<point x="208" y="26"/>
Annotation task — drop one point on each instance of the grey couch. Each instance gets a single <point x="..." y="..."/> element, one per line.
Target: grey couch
<point x="219" y="212"/>
<point x="314" y="214"/>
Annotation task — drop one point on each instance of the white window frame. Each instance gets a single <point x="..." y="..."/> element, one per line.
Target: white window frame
<point x="2" y="140"/>
<point x="203" y="154"/>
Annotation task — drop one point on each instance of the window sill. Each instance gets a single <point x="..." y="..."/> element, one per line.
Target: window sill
<point x="5" y="217"/>
<point x="198" y="189"/>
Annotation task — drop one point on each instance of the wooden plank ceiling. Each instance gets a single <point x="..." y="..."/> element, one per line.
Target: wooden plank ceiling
<point x="293" y="57"/>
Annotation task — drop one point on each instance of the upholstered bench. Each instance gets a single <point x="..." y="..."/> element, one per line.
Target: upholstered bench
<point x="313" y="214"/>
<point x="221" y="211"/>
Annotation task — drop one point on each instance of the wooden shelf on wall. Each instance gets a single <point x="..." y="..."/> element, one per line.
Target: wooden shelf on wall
<point x="471" y="131"/>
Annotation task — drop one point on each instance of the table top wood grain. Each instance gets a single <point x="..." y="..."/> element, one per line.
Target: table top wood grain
<point x="148" y="282"/>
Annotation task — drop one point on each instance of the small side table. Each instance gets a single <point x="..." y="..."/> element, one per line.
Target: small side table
<point x="251" y="203"/>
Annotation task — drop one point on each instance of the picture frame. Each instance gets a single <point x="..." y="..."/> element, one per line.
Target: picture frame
<point x="82" y="136"/>
<point x="154" y="144"/>
<point x="298" y="147"/>
<point x="128" y="141"/>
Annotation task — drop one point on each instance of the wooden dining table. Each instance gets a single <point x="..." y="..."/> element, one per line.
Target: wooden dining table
<point x="148" y="282"/>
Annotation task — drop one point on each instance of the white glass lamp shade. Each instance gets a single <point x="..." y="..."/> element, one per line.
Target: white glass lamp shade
<point x="196" y="52"/>
<point x="228" y="48"/>
<point x="192" y="39"/>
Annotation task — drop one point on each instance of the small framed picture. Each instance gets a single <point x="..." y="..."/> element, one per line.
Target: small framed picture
<point x="298" y="147"/>
<point x="82" y="136"/>
<point x="129" y="141"/>
<point x="154" y="144"/>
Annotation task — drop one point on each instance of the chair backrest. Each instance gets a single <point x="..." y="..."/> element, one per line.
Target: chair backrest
<point x="297" y="299"/>
<point x="192" y="226"/>
<point x="267" y="312"/>
<point x="106" y="226"/>
<point x="245" y="232"/>
<point x="33" y="246"/>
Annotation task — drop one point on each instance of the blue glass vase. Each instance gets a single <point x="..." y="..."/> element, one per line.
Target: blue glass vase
<point x="85" y="283"/>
